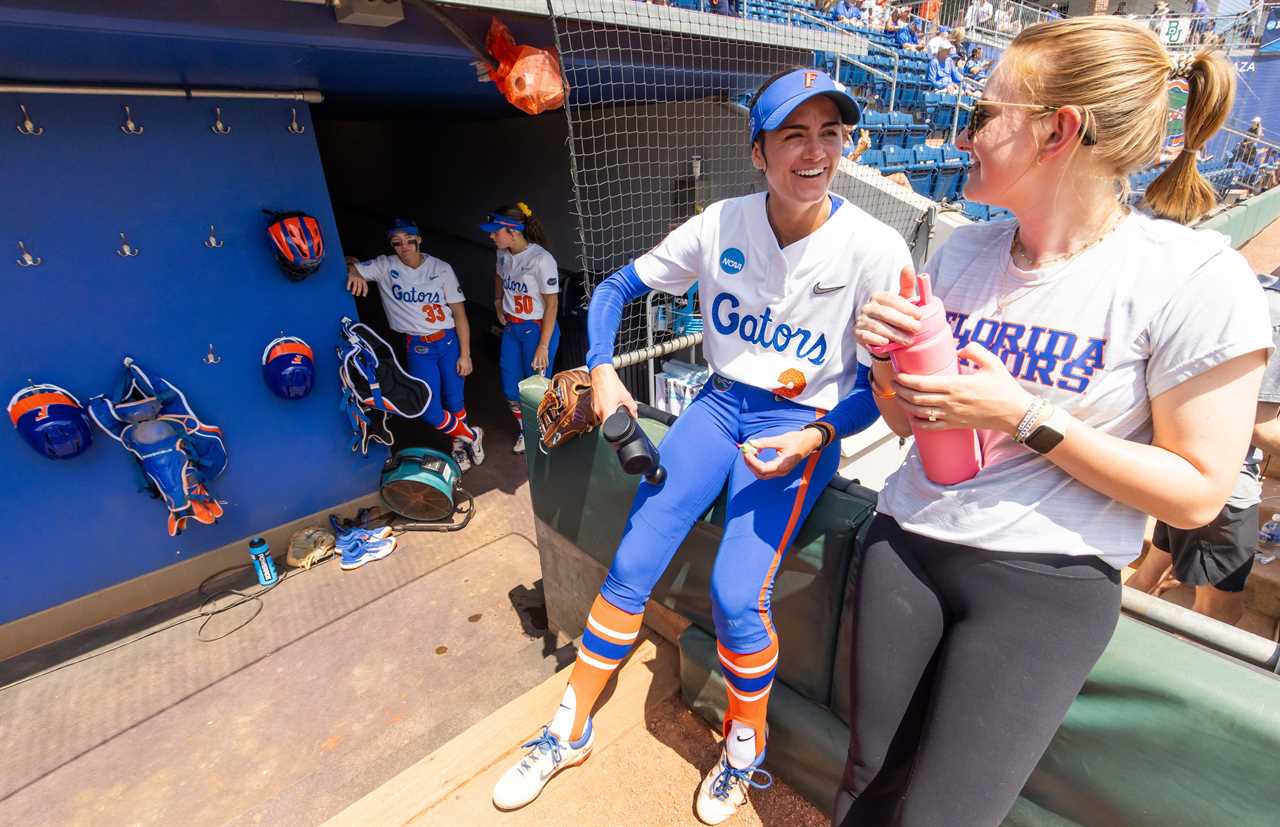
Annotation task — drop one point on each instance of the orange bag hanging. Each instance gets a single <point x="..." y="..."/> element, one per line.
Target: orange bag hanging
<point x="528" y="77"/>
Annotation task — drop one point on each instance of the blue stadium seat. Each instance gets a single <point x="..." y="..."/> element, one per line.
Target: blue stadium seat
<point x="925" y="161"/>
<point x="872" y="158"/>
<point x="957" y="159"/>
<point x="874" y="123"/>
<point x="917" y="132"/>
<point x="896" y="159"/>
<point x="895" y="129"/>
<point x="975" y="211"/>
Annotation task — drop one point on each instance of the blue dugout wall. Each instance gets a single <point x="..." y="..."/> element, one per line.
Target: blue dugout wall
<point x="74" y="527"/>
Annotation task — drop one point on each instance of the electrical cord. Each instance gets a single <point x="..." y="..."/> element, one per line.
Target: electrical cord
<point x="206" y="613"/>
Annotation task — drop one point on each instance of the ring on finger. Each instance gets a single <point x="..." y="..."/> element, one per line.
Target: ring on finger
<point x="934" y="414"/>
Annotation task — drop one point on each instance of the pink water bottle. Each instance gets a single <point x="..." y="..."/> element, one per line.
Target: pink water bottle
<point x="952" y="455"/>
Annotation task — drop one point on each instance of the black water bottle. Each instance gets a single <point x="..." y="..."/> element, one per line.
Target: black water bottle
<point x="636" y="452"/>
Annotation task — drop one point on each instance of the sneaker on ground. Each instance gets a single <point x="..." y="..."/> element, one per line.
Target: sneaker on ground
<point x="350" y="537"/>
<point x="476" y="448"/>
<point x="724" y="789"/>
<point x="547" y="756"/>
<point x="518" y="448"/>
<point x="357" y="555"/>
<point x="459" y="453"/>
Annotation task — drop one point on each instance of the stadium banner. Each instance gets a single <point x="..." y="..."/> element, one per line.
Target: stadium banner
<point x="1257" y="91"/>
<point x="1271" y="31"/>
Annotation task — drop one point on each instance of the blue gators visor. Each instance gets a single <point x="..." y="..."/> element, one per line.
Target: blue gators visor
<point x="499" y="222"/>
<point x="402" y="225"/>
<point x="792" y="89"/>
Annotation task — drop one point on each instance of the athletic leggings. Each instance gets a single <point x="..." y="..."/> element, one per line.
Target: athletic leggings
<point x="964" y="665"/>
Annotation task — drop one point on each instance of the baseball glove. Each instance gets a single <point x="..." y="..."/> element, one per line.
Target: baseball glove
<point x="308" y="546"/>
<point x="565" y="410"/>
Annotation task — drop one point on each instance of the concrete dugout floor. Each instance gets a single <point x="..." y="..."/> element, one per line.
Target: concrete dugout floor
<point x="342" y="680"/>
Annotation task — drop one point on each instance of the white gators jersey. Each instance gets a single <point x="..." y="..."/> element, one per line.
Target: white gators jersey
<point x="779" y="319"/>
<point x="416" y="299"/>
<point x="525" y="277"/>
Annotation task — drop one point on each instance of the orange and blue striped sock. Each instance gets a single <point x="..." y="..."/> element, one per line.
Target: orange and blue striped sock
<point x="749" y="679"/>
<point x="456" y="426"/>
<point x="608" y="638"/>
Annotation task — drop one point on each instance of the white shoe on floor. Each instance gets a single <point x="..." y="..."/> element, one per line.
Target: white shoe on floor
<point x="523" y="782"/>
<point x="518" y="448"/>
<point x="476" y="448"/>
<point x="459" y="453"/>
<point x="724" y="789"/>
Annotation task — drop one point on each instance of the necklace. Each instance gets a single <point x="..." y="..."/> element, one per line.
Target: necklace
<point x="1006" y="297"/>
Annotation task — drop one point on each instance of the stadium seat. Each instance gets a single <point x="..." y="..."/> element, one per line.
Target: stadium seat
<point x="923" y="170"/>
<point x="896" y="159"/>
<point x="917" y="133"/>
<point x="872" y="158"/>
<point x="895" y="129"/>
<point x="873" y="122"/>
<point x="975" y="211"/>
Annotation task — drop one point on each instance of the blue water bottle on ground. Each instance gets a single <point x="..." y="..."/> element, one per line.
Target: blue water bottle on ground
<point x="262" y="562"/>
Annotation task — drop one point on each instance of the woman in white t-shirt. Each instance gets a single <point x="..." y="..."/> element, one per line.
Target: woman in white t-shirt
<point x="1116" y="360"/>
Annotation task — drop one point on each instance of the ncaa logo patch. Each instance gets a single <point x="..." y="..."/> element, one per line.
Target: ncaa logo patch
<point x="732" y="261"/>
<point x="395" y="274"/>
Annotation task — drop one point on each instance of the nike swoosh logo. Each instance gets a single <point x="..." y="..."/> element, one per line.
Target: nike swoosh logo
<point x="819" y="290"/>
<point x="748" y="738"/>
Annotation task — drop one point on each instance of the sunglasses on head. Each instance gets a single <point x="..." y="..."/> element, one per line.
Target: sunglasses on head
<point x="982" y="114"/>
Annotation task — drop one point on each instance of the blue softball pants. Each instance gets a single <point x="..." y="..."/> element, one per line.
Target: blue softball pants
<point x="519" y="341"/>
<point x="436" y="363"/>
<point x="701" y="453"/>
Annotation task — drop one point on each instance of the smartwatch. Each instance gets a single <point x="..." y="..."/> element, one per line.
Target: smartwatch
<point x="1049" y="432"/>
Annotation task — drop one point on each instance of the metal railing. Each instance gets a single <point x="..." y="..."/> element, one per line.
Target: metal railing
<point x="871" y="46"/>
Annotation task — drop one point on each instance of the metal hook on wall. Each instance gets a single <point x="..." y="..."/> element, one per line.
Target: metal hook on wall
<point x="125" y="250"/>
<point x="212" y="241"/>
<point x="27" y="259"/>
<point x="26" y="126"/>
<point x="219" y="128"/>
<point x="211" y="358"/>
<point x="295" y="127"/>
<point x="129" y="127"/>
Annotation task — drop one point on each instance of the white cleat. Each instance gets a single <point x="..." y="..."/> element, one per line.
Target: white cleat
<point x="523" y="782"/>
<point x="459" y="453"/>
<point x="724" y="789"/>
<point x="476" y="449"/>
<point x="518" y="448"/>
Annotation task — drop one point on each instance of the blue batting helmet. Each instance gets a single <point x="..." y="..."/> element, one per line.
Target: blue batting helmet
<point x="51" y="420"/>
<point x="289" y="367"/>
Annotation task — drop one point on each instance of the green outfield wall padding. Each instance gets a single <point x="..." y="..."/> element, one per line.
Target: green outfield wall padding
<point x="1248" y="218"/>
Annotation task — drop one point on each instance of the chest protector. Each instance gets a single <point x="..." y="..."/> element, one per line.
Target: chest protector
<point x="375" y="385"/>
<point x="177" y="454"/>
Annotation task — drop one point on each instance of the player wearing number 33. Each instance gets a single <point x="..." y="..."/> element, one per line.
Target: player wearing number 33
<point x="526" y="296"/>
<point x="423" y="300"/>
<point x="780" y="277"/>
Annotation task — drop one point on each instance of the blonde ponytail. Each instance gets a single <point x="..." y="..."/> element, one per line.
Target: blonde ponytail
<point x="1181" y="193"/>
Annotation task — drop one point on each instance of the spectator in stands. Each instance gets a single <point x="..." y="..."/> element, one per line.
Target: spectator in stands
<point x="1247" y="151"/>
<point x="1004" y="18"/>
<point x="1053" y="13"/>
<point x="975" y="68"/>
<point x="980" y="607"/>
<point x="943" y="76"/>
<point x="1216" y="559"/>
<point x="960" y="41"/>
<point x="847" y="11"/>
<point x="907" y="37"/>
<point x="1202" y="25"/>
<point x="986" y="11"/>
<point x="938" y="40"/>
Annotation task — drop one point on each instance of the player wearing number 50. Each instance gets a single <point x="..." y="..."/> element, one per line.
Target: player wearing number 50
<point x="424" y="302"/>
<point x="526" y="294"/>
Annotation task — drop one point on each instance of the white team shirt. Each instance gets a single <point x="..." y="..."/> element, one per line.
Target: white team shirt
<point x="525" y="277"/>
<point x="779" y="319"/>
<point x="416" y="299"/>
<point x="1149" y="307"/>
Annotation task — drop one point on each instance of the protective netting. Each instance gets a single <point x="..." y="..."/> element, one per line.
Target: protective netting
<point x="658" y="130"/>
